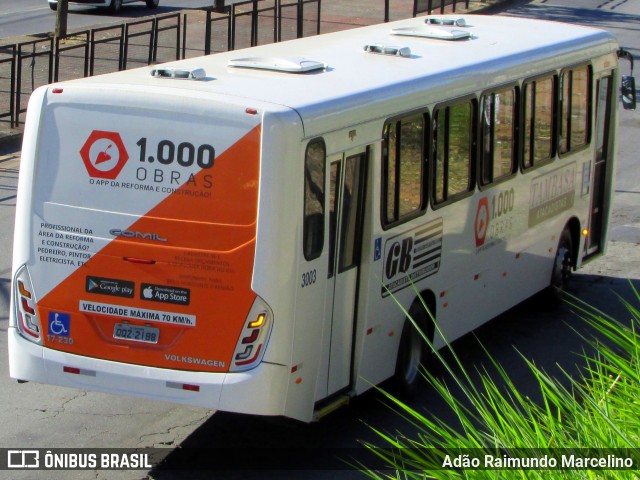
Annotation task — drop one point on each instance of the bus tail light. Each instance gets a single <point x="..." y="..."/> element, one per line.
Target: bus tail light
<point x="252" y="343"/>
<point x="25" y="307"/>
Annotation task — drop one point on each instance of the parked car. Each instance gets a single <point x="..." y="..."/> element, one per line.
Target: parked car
<point x="112" y="5"/>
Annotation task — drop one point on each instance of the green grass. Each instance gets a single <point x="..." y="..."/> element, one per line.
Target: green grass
<point x="598" y="410"/>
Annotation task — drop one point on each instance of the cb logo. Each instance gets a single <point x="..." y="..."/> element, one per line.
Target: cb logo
<point x="399" y="257"/>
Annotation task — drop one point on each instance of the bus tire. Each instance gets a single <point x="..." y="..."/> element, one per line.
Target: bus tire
<point x="411" y="356"/>
<point x="115" y="6"/>
<point x="562" y="267"/>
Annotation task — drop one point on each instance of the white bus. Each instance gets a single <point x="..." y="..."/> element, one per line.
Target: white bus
<point x="234" y="231"/>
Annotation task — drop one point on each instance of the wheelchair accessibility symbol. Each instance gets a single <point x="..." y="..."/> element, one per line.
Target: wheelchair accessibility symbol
<point x="59" y="324"/>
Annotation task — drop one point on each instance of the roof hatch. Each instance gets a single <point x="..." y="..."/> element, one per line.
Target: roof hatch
<point x="391" y="50"/>
<point x="188" y="73"/>
<point x="279" y="64"/>
<point x="452" y="21"/>
<point x="428" y="31"/>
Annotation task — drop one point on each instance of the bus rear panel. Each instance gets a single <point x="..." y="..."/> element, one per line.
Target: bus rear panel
<point x="137" y="243"/>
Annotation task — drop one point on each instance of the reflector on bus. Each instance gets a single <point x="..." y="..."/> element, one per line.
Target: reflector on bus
<point x="27" y="315"/>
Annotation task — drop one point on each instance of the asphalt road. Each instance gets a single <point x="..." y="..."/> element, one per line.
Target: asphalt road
<point x="45" y="416"/>
<point x="25" y="17"/>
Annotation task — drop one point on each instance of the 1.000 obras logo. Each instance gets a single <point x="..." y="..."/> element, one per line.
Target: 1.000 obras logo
<point x="104" y="154"/>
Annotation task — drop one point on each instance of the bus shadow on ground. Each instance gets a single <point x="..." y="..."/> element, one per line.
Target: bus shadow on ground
<point x="230" y="446"/>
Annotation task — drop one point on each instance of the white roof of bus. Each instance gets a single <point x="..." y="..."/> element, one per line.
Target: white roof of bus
<point x="501" y="49"/>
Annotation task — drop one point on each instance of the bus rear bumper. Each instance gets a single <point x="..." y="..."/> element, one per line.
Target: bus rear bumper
<point x="259" y="391"/>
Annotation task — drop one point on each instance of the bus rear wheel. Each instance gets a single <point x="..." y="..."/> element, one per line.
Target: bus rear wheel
<point x="115" y="6"/>
<point x="562" y="267"/>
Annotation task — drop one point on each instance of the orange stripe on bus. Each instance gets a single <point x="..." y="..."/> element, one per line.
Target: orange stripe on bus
<point x="217" y="269"/>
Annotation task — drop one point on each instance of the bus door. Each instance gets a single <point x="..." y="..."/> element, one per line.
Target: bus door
<point x="346" y="212"/>
<point x="603" y="150"/>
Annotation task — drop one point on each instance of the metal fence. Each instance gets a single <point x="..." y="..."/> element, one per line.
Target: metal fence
<point x="7" y="83"/>
<point x="190" y="33"/>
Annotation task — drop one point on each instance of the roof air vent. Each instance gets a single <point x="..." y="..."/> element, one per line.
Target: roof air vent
<point x="388" y="50"/>
<point x="451" y="21"/>
<point x="187" y="73"/>
<point x="426" y="31"/>
<point x="277" y="64"/>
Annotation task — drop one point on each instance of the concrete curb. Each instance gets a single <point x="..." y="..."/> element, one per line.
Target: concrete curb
<point x="11" y="140"/>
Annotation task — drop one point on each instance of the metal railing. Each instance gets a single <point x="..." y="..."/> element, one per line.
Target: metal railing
<point x="34" y="67"/>
<point x="7" y="83"/>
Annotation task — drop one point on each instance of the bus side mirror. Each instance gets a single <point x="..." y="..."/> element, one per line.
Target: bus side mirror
<point x="627" y="83"/>
<point x="628" y="92"/>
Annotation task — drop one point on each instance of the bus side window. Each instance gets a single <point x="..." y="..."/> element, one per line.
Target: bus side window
<point x="498" y="136"/>
<point x="453" y="150"/>
<point x="576" y="101"/>
<point x="539" y="97"/>
<point x="314" y="176"/>
<point x="403" y="166"/>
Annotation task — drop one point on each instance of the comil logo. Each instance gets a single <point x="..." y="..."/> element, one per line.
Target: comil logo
<point x="104" y="154"/>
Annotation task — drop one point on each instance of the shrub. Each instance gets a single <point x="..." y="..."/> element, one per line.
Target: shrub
<point x="598" y="410"/>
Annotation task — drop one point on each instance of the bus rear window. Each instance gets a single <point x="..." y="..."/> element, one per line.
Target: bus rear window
<point x="91" y="159"/>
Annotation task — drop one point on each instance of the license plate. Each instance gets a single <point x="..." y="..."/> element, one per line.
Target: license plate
<point x="136" y="333"/>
